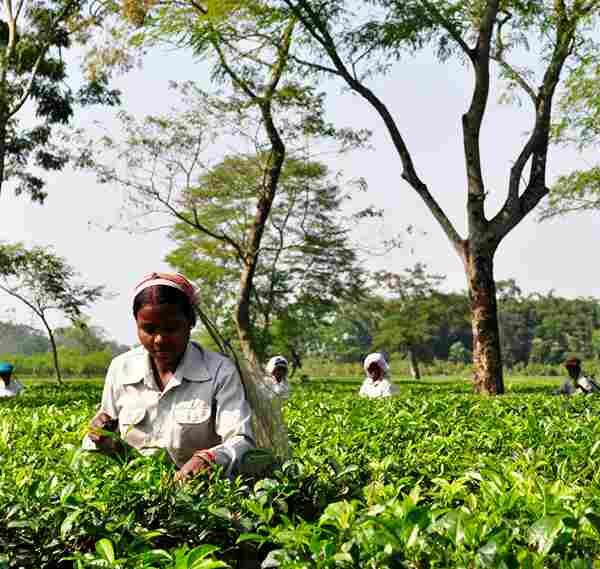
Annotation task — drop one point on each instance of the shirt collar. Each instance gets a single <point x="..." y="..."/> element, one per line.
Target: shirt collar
<point x="192" y="367"/>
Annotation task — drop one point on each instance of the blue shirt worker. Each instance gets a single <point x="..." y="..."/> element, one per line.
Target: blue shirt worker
<point x="8" y="387"/>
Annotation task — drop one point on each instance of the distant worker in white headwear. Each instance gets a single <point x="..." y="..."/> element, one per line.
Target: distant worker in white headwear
<point x="376" y="384"/>
<point x="275" y="382"/>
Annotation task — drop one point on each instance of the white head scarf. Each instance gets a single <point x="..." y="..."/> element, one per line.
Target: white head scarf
<point x="378" y="359"/>
<point x="276" y="361"/>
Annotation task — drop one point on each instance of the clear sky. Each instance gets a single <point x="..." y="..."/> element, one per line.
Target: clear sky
<point x="426" y="98"/>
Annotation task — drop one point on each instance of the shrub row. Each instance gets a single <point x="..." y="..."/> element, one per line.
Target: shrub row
<point x="72" y="363"/>
<point x="400" y="368"/>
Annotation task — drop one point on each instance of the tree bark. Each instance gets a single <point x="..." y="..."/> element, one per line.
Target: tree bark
<point x="2" y="151"/>
<point x="414" y="364"/>
<point x="487" y="235"/>
<point x="54" y="352"/>
<point x="487" y="357"/>
<point x="242" y="313"/>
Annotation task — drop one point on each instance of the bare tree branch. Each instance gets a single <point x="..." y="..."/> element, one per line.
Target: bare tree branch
<point x="517" y="207"/>
<point x="303" y="11"/>
<point x="473" y="119"/>
<point x="451" y="29"/>
<point x="498" y="56"/>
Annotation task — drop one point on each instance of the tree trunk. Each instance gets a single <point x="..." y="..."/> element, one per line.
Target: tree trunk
<point x="2" y="151"/>
<point x="414" y="364"/>
<point x="54" y="352"/>
<point x="487" y="357"/>
<point x="242" y="313"/>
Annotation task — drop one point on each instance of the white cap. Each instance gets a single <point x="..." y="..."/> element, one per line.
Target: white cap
<point x="276" y="361"/>
<point x="375" y="358"/>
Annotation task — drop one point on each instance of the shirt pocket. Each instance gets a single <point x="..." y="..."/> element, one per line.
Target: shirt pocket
<point x="192" y="412"/>
<point x="130" y="426"/>
<point x="132" y="416"/>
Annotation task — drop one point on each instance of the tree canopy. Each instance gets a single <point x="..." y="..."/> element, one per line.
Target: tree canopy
<point x="45" y="282"/>
<point x="353" y="41"/>
<point x="33" y="73"/>
<point x="578" y="124"/>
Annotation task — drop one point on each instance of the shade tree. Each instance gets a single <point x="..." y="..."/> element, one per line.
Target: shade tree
<point x="45" y="283"/>
<point x="412" y="312"/>
<point x="35" y="98"/>
<point x="354" y="41"/>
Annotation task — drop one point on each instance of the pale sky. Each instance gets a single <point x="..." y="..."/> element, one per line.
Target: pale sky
<point x="427" y="100"/>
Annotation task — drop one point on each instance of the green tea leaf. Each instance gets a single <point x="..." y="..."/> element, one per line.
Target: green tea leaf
<point x="106" y="550"/>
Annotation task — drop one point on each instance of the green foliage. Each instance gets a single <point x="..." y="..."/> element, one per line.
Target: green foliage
<point x="21" y="339"/>
<point x="72" y="363"/>
<point x="44" y="281"/>
<point x="434" y="477"/>
<point x="33" y="39"/>
<point x="415" y="311"/>
<point x="459" y="354"/>
<point x="577" y="191"/>
<point x="578" y="124"/>
<point x="84" y="338"/>
<point x="306" y="264"/>
<point x="536" y="328"/>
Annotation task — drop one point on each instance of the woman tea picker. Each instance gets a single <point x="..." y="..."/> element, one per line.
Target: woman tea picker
<point x="275" y="382"/>
<point x="376" y="383"/>
<point x="171" y="393"/>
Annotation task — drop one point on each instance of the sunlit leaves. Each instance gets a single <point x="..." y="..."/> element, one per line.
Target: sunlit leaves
<point x="435" y="477"/>
<point x="34" y="72"/>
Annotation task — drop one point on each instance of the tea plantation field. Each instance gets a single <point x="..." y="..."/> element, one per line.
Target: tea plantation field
<point x="437" y="477"/>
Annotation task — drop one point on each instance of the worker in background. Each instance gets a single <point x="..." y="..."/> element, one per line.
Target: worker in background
<point x="275" y="382"/>
<point x="577" y="383"/>
<point x="376" y="384"/>
<point x="8" y="387"/>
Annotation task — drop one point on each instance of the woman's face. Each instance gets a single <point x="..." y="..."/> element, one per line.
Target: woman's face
<point x="375" y="372"/>
<point x="279" y="373"/>
<point x="164" y="330"/>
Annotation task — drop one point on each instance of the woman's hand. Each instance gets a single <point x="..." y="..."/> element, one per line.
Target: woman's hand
<point x="102" y="421"/>
<point x="200" y="462"/>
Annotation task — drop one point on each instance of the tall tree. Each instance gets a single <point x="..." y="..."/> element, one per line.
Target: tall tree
<point x="166" y="164"/>
<point x="305" y="251"/>
<point x="257" y="83"/>
<point x="33" y="37"/>
<point x="354" y="40"/>
<point x="413" y="314"/>
<point x="44" y="282"/>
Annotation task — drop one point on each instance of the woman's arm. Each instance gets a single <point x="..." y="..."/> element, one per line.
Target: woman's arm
<point x="105" y="418"/>
<point x="233" y="419"/>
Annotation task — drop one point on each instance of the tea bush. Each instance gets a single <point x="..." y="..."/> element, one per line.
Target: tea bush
<point x="436" y="477"/>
